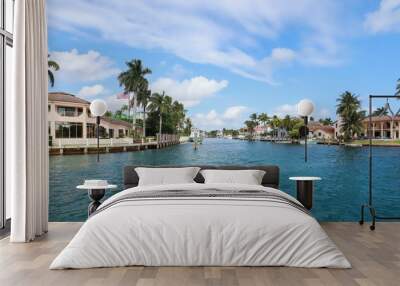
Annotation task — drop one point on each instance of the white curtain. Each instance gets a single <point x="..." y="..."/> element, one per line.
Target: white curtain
<point x="26" y="117"/>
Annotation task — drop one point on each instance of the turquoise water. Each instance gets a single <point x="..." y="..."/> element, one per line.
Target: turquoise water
<point x="337" y="197"/>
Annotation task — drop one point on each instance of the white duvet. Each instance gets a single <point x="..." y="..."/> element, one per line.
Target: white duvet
<point x="199" y="231"/>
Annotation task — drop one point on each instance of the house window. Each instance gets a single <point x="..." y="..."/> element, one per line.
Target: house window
<point x="121" y="133"/>
<point x="49" y="107"/>
<point x="90" y="130"/>
<point x="103" y="132"/>
<point x="111" y="133"/>
<point x="68" y="111"/>
<point x="68" y="130"/>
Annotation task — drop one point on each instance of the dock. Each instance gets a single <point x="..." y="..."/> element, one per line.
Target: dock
<point x="89" y="146"/>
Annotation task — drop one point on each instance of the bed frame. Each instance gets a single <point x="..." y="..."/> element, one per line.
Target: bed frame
<point x="270" y="179"/>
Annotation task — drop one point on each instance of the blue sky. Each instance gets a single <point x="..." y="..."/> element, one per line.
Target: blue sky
<point x="227" y="59"/>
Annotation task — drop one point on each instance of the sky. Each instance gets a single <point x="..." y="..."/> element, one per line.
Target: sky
<point x="227" y="59"/>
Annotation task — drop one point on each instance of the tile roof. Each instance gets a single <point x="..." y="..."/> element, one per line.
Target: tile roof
<point x="325" y="128"/>
<point x="66" y="97"/>
<point x="116" y="121"/>
<point x="381" y="118"/>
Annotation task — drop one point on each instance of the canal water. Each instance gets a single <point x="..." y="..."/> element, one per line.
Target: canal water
<point x="337" y="197"/>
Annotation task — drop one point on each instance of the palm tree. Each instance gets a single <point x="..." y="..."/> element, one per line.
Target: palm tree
<point x="178" y="115"/>
<point x="250" y="124"/>
<point x="275" y="122"/>
<point x="254" y="118"/>
<point x="158" y="104"/>
<point x="143" y="99"/>
<point x="380" y="111"/>
<point x="287" y="122"/>
<point x="347" y="102"/>
<point x="326" y="121"/>
<point x="133" y="80"/>
<point x="348" y="108"/>
<point x="53" y="66"/>
<point x="188" y="126"/>
<point x="263" y="118"/>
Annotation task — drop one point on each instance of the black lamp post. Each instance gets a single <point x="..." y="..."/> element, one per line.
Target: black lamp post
<point x="98" y="108"/>
<point x="304" y="108"/>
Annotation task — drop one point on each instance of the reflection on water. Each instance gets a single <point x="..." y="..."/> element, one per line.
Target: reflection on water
<point x="337" y="197"/>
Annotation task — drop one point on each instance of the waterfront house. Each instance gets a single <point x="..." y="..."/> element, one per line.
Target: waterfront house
<point x="262" y="129"/>
<point x="70" y="122"/>
<point x="383" y="127"/>
<point x="323" y="132"/>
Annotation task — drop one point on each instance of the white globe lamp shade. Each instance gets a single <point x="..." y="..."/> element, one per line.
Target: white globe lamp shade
<point x="98" y="107"/>
<point x="305" y="107"/>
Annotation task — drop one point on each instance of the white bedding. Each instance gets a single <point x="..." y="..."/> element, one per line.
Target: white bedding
<point x="200" y="231"/>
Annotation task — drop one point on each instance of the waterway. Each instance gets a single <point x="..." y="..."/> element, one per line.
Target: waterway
<point x="337" y="197"/>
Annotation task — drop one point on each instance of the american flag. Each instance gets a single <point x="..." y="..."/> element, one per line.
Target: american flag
<point x="123" y="95"/>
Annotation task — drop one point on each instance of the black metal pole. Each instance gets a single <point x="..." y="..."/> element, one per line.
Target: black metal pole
<point x="98" y="138"/>
<point x="306" y="135"/>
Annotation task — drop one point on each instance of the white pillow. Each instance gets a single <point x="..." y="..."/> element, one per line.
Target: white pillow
<point x="248" y="177"/>
<point x="166" y="176"/>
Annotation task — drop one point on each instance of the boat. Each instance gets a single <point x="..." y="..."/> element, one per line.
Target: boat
<point x="353" y="145"/>
<point x="309" y="141"/>
<point x="196" y="136"/>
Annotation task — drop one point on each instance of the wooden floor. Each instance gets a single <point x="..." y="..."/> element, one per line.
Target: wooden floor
<point x="375" y="257"/>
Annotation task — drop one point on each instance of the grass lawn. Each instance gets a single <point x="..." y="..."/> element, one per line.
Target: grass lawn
<point x="377" y="142"/>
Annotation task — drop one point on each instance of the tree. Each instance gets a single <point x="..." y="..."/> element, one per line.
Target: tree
<point x="263" y="118"/>
<point x="158" y="103"/>
<point x="250" y="124"/>
<point x="188" y="126"/>
<point x="287" y="123"/>
<point x="380" y="111"/>
<point x="143" y="99"/>
<point x="53" y="66"/>
<point x="276" y="123"/>
<point x="178" y="115"/>
<point x="348" y="108"/>
<point x="254" y="118"/>
<point x="133" y="80"/>
<point x="326" y="121"/>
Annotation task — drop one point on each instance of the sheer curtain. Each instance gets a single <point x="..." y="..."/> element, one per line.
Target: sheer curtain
<point x="27" y="138"/>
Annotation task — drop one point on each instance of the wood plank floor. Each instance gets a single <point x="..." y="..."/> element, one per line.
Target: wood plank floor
<point x="375" y="257"/>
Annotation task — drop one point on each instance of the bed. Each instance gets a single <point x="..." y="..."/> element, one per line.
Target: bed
<point x="197" y="224"/>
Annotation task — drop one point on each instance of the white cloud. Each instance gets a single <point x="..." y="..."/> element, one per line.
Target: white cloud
<point x="113" y="103"/>
<point x="91" y="91"/>
<point x="219" y="33"/>
<point x="234" y="112"/>
<point x="178" y="71"/>
<point x="189" y="91"/>
<point x="232" y="117"/>
<point x="286" y="109"/>
<point x="386" y="18"/>
<point x="291" y="109"/>
<point x="76" y="67"/>
<point x="324" y="113"/>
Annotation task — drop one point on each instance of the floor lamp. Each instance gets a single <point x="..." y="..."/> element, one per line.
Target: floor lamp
<point x="98" y="108"/>
<point x="304" y="108"/>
